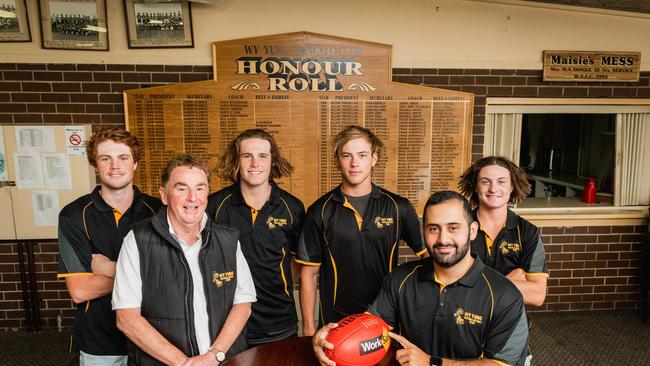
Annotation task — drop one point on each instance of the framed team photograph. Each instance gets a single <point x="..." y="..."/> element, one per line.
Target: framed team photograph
<point x="14" y="23"/>
<point x="74" y="24"/>
<point x="158" y="25"/>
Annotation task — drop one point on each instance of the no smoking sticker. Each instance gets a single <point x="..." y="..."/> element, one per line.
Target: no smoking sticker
<point x="75" y="140"/>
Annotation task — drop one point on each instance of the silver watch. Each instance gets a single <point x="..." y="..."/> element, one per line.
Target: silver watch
<point x="220" y="356"/>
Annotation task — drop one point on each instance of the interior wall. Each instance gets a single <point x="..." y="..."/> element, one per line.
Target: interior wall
<point x="433" y="33"/>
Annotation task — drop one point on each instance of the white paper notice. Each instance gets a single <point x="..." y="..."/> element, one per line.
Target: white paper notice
<point x="75" y="140"/>
<point x="3" y="158"/>
<point x="34" y="139"/>
<point x="56" y="170"/>
<point x="29" y="174"/>
<point x="45" y="205"/>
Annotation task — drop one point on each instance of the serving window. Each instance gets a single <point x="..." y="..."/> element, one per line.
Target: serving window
<point x="561" y="143"/>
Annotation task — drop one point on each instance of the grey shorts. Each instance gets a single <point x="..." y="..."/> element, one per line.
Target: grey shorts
<point x="86" y="359"/>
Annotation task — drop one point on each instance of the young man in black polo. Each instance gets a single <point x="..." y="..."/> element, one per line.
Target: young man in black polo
<point x="451" y="309"/>
<point x="91" y="230"/>
<point x="269" y="220"/>
<point x="351" y="235"/>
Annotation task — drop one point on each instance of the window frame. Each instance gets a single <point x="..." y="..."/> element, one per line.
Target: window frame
<point x="569" y="216"/>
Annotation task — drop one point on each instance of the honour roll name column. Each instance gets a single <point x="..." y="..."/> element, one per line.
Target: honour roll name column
<point x="196" y="134"/>
<point x="445" y="145"/>
<point x="413" y="170"/>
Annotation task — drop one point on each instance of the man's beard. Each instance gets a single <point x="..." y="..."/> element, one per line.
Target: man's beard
<point x="451" y="259"/>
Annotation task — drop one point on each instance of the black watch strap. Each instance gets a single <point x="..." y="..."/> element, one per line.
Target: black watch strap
<point x="435" y="361"/>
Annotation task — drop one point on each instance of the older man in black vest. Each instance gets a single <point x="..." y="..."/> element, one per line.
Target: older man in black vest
<point x="183" y="290"/>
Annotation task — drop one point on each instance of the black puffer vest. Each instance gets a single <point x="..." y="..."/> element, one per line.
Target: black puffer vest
<point x="167" y="288"/>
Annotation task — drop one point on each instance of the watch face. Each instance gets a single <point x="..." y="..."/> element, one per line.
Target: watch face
<point x="220" y="356"/>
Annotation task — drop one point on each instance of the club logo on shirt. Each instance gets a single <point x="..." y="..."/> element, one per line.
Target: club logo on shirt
<point x="273" y="223"/>
<point x="463" y="316"/>
<point x="506" y="248"/>
<point x="383" y="221"/>
<point x="220" y="278"/>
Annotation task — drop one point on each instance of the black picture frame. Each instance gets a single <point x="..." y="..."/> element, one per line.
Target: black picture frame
<point x="159" y="25"/>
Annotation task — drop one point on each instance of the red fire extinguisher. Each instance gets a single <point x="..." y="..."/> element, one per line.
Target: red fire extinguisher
<point x="589" y="193"/>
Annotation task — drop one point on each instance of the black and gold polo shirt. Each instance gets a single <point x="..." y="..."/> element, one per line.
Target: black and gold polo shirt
<point x="89" y="226"/>
<point x="355" y="253"/>
<point x="482" y="315"/>
<point x="518" y="245"/>
<point x="268" y="239"/>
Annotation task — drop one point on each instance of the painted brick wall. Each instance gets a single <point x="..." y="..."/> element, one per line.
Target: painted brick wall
<point x="591" y="267"/>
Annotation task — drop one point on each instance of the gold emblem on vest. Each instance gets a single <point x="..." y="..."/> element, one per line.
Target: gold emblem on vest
<point x="463" y="316"/>
<point x="220" y="278"/>
<point x="506" y="247"/>
<point x="383" y="221"/>
<point x="273" y="223"/>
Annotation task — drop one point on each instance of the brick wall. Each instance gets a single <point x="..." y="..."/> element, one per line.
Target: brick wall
<point x="52" y="293"/>
<point x="591" y="267"/>
<point x="65" y="93"/>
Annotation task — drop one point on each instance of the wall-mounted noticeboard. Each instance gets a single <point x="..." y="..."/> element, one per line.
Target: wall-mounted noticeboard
<point x="42" y="169"/>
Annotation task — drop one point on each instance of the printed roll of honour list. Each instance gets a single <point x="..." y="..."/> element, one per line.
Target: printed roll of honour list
<point x="304" y="88"/>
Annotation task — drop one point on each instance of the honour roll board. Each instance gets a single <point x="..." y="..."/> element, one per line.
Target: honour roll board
<point x="304" y="88"/>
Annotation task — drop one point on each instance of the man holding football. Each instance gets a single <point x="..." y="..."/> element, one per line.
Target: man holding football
<point x="450" y="309"/>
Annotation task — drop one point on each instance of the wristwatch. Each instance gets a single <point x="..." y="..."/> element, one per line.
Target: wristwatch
<point x="220" y="356"/>
<point x="435" y="361"/>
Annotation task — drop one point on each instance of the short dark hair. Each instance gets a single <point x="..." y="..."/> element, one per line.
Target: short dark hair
<point x="228" y="166"/>
<point x="469" y="179"/>
<point x="184" y="160"/>
<point x="444" y="196"/>
<point x="115" y="134"/>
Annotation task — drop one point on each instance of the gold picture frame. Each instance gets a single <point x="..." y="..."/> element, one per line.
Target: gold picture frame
<point x="14" y="22"/>
<point x="74" y="24"/>
<point x="159" y="24"/>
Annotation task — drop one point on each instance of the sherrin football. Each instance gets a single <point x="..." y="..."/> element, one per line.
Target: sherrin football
<point x="359" y="340"/>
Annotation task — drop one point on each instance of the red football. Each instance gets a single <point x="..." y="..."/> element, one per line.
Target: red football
<point x="359" y="340"/>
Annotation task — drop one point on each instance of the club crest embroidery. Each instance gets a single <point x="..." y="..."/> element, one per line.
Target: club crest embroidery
<point x="220" y="278"/>
<point x="273" y="223"/>
<point x="463" y="317"/>
<point x="381" y="222"/>
<point x="459" y="316"/>
<point x="506" y="247"/>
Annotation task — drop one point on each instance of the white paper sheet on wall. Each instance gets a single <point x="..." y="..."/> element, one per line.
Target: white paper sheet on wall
<point x="29" y="174"/>
<point x="4" y="175"/>
<point x="56" y="171"/>
<point x="45" y="205"/>
<point x="34" y="139"/>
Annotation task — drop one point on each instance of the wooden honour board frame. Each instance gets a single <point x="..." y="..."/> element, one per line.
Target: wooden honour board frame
<point x="304" y="88"/>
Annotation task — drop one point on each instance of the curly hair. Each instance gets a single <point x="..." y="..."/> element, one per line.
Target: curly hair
<point x="468" y="180"/>
<point x="118" y="135"/>
<point x="187" y="160"/>
<point x="354" y="132"/>
<point x="228" y="166"/>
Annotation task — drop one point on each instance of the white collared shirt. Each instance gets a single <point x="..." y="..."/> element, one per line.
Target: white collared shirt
<point x="127" y="289"/>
